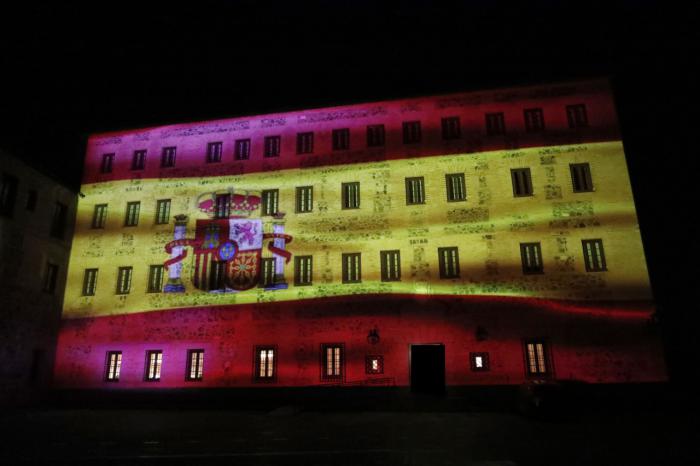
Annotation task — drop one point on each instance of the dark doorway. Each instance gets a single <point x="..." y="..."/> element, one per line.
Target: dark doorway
<point x="428" y="369"/>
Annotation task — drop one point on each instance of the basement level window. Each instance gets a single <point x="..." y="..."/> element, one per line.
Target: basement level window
<point x="113" y="366"/>
<point x="536" y="358"/>
<point x="154" y="362"/>
<point x="265" y="363"/>
<point x="479" y="362"/>
<point x="332" y="361"/>
<point x="195" y="365"/>
<point x="594" y="255"/>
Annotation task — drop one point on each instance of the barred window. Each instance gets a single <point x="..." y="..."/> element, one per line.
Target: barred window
<point x="155" y="278"/>
<point x="350" y="195"/>
<point x="272" y="146"/>
<point x="390" y="265"/>
<point x="415" y="191"/>
<point x="534" y="120"/>
<point x="341" y="139"/>
<point x="222" y="206"/>
<point x="456" y="187"/>
<point x="195" y="364"/>
<point x="593" y="255"/>
<point x="50" y="276"/>
<point x="449" y="262"/>
<point x="124" y="280"/>
<point x="576" y="114"/>
<point x="522" y="182"/>
<point x="375" y="135"/>
<point x="581" y="177"/>
<point x="479" y="362"/>
<point x="267" y="275"/>
<point x="132" y="214"/>
<point x="154" y="362"/>
<point x="303" y="272"/>
<point x="531" y="256"/>
<point x="99" y="216"/>
<point x="495" y="124"/>
<point x="332" y="361"/>
<point x="167" y="158"/>
<point x="89" y="282"/>
<point x="214" y="150"/>
<point x="138" y="161"/>
<point x="113" y="366"/>
<point x="352" y="267"/>
<point x="107" y="162"/>
<point x="411" y="132"/>
<point x="451" y="128"/>
<point x="242" y="149"/>
<point x="270" y="201"/>
<point x="537" y="358"/>
<point x="304" y="199"/>
<point x="305" y="143"/>
<point x="374" y="364"/>
<point x="162" y="211"/>
<point x="265" y="363"/>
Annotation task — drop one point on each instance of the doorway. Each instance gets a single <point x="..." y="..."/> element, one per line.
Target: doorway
<point x="428" y="368"/>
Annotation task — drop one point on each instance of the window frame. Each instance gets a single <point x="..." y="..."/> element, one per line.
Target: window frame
<point x="259" y="364"/>
<point x="215" y="152"/>
<point x="525" y="182"/>
<point x="485" y="363"/>
<point x="125" y="276"/>
<point x="450" y="188"/>
<point x="153" y="373"/>
<point x="300" y="277"/>
<point x="168" y="157"/>
<point x="451" y="128"/>
<point x="413" y="198"/>
<point x="59" y="220"/>
<point x="272" y="146"/>
<point x="99" y="216"/>
<point x="592" y="262"/>
<point x="107" y="164"/>
<point x="305" y="143"/>
<point x="197" y="365"/>
<point x="89" y="282"/>
<point x="356" y="259"/>
<point x="581" y="178"/>
<point x="113" y="369"/>
<point x="275" y="193"/>
<point x="495" y="123"/>
<point x="241" y="149"/>
<point x="534" y="120"/>
<point x="376" y="135"/>
<point x="302" y="206"/>
<point x="386" y="270"/>
<point x="340" y="139"/>
<point x="222" y="206"/>
<point x="412" y="132"/>
<point x="163" y="211"/>
<point x="443" y="262"/>
<point x="368" y="364"/>
<point x="151" y="275"/>
<point x="138" y="160"/>
<point x="133" y="211"/>
<point x="346" y="190"/>
<point x="325" y="376"/>
<point x="264" y="282"/>
<point x="545" y="358"/>
<point x="577" y="116"/>
<point x="529" y="248"/>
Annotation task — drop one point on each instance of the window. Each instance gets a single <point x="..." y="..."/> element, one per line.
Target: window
<point x="167" y="158"/>
<point x="195" y="364"/>
<point x="113" y="366"/>
<point x="536" y="358"/>
<point x="374" y="364"/>
<point x="89" y="282"/>
<point x="155" y="278"/>
<point x="391" y="265"/>
<point x="138" y="162"/>
<point x="522" y="182"/>
<point x="531" y="255"/>
<point x="581" y="177"/>
<point x="332" y="361"/>
<point x="8" y="194"/>
<point x="50" y="278"/>
<point x="99" y="216"/>
<point x="495" y="124"/>
<point x="132" y="214"/>
<point x="351" y="195"/>
<point x="576" y="115"/>
<point x="352" y="268"/>
<point x="449" y="262"/>
<point x="304" y="199"/>
<point x="456" y="187"/>
<point x="162" y="211"/>
<point x="242" y="149"/>
<point x="32" y="196"/>
<point x="58" y="222"/>
<point x="107" y="162"/>
<point x="451" y="128"/>
<point x="124" y="280"/>
<point x="265" y="363"/>
<point x="222" y="206"/>
<point x="411" y="132"/>
<point x="214" y="150"/>
<point x="217" y="274"/>
<point x="303" y="271"/>
<point x="267" y="275"/>
<point x="154" y="361"/>
<point x="534" y="120"/>
<point x="375" y="135"/>
<point x="415" y="192"/>
<point x="479" y="362"/>
<point x="270" y="201"/>
<point x="305" y="143"/>
<point x="593" y="255"/>
<point x="272" y="146"/>
<point x="341" y="139"/>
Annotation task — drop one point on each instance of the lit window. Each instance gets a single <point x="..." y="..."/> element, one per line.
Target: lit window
<point x="303" y="272"/>
<point x="195" y="364"/>
<point x="270" y="201"/>
<point x="341" y="139"/>
<point x="451" y="128"/>
<point x="124" y="280"/>
<point x="374" y="364"/>
<point x="537" y="358"/>
<point x="214" y="150"/>
<point x="479" y="361"/>
<point x="107" y="162"/>
<point x="375" y="135"/>
<point x="449" y="262"/>
<point x="531" y="255"/>
<point x="581" y="177"/>
<point x="305" y="143"/>
<point x="99" y="216"/>
<point x="267" y="276"/>
<point x="522" y="182"/>
<point x="154" y="361"/>
<point x="89" y="282"/>
<point x="350" y="195"/>
<point x="332" y="361"/>
<point x="167" y="158"/>
<point x="593" y="255"/>
<point x="304" y="199"/>
<point x="58" y="222"/>
<point x="534" y="120"/>
<point x="272" y="146"/>
<point x="155" y="278"/>
<point x="391" y="265"/>
<point x="352" y="268"/>
<point x="577" y="116"/>
<point x="411" y="132"/>
<point x="163" y="211"/>
<point x="265" y="363"/>
<point x="456" y="187"/>
<point x="138" y="162"/>
<point x="132" y="214"/>
<point x="8" y="194"/>
<point x="495" y="124"/>
<point x="415" y="190"/>
<point x="113" y="366"/>
<point x="222" y="206"/>
<point x="50" y="276"/>
<point x="242" y="149"/>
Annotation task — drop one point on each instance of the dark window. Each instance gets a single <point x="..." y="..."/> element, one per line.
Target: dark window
<point x="495" y="124"/>
<point x="195" y="364"/>
<point x="124" y="280"/>
<point x="536" y="358"/>
<point x="99" y="216"/>
<point x="522" y="182"/>
<point x="374" y="364"/>
<point x="50" y="277"/>
<point x="107" y="162"/>
<point x="305" y="143"/>
<point x="352" y="268"/>
<point x="534" y="120"/>
<point x="217" y="274"/>
<point x="456" y="187"/>
<point x="332" y="361"/>
<point x="214" y="150"/>
<point x="113" y="366"/>
<point x="162" y="211"/>
<point x="132" y="214"/>
<point x="265" y="363"/>
<point x="391" y="265"/>
<point x="267" y="275"/>
<point x="89" y="282"/>
<point x="167" y="158"/>
<point x="304" y="199"/>
<point x="270" y="201"/>
<point x="222" y="206"/>
<point x="242" y="149"/>
<point x="531" y="255"/>
<point x="272" y="146"/>
<point x="451" y="128"/>
<point x="415" y="190"/>
<point x="138" y="162"/>
<point x="411" y="132"/>
<point x="375" y="135"/>
<point x="479" y="362"/>
<point x="32" y="196"/>
<point x="449" y="262"/>
<point x="351" y="195"/>
<point x="303" y="270"/>
<point x="594" y="255"/>
<point x="155" y="278"/>
<point x="576" y="115"/>
<point x="154" y="361"/>
<point x="58" y="222"/>
<point x="581" y="177"/>
<point x="8" y="194"/>
<point x="341" y="139"/>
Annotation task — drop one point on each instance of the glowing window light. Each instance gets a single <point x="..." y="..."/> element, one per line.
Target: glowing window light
<point x="536" y="358"/>
<point x="265" y="363"/>
<point x="154" y="360"/>
<point x="479" y="362"/>
<point x="593" y="254"/>
<point x="374" y="364"/>
<point x="332" y="361"/>
<point x="114" y="364"/>
<point x="196" y="365"/>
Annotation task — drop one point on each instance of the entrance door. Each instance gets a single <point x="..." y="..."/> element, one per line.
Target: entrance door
<point x="428" y="368"/>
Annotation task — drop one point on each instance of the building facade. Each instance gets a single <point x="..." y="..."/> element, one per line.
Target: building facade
<point x="467" y="239"/>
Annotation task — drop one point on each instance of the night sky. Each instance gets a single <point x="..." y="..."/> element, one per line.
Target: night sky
<point x="70" y="70"/>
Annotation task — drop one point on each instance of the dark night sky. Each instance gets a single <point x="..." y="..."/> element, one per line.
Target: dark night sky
<point x="70" y="70"/>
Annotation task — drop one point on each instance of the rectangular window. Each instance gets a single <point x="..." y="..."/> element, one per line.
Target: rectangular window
<point x="132" y="214"/>
<point x="593" y="255"/>
<point x="332" y="361"/>
<point x="577" y="116"/>
<point x="217" y="274"/>
<point x="415" y="192"/>
<point x="456" y="187"/>
<point x="351" y="195"/>
<point x="50" y="276"/>
<point x="89" y="282"/>
<point x="267" y="275"/>
<point x="451" y="128"/>
<point x="222" y="206"/>
<point x="304" y="199"/>
<point x="155" y="278"/>
<point x="99" y="216"/>
<point x="113" y="366"/>
<point x="124" y="280"/>
<point x="581" y="177"/>
<point x="8" y="194"/>
<point x="303" y="271"/>
<point x="270" y="201"/>
<point x="242" y="149"/>
<point x="214" y="150"/>
<point x="479" y="362"/>
<point x="531" y="256"/>
<point x="154" y="361"/>
<point x="391" y="265"/>
<point x="272" y="146"/>
<point x="58" y="222"/>
<point x="265" y="363"/>
<point x="536" y="357"/>
<point x="167" y="158"/>
<point x="534" y="120"/>
<point x="449" y="262"/>
<point x="305" y="143"/>
<point x="352" y="267"/>
<point x="341" y="139"/>
<point x="107" y="162"/>
<point x="374" y="364"/>
<point x="522" y="182"/>
<point x="138" y="161"/>
<point x="32" y="196"/>
<point x="375" y="135"/>
<point x="495" y="124"/>
<point x="162" y="211"/>
<point x="411" y="132"/>
<point x="195" y="364"/>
